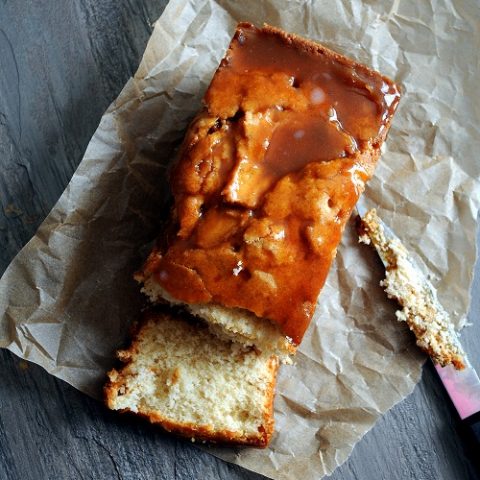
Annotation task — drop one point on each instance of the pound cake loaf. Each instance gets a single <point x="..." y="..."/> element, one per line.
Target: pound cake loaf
<point x="180" y="376"/>
<point x="266" y="179"/>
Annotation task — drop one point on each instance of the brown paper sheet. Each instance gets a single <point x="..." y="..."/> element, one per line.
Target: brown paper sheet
<point x="67" y="299"/>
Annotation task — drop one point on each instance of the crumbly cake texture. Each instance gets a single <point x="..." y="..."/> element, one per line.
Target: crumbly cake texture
<point x="178" y="375"/>
<point x="267" y="177"/>
<point x="421" y="310"/>
<point x="230" y="324"/>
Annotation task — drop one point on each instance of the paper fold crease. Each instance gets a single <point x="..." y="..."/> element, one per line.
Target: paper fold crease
<point x="67" y="299"/>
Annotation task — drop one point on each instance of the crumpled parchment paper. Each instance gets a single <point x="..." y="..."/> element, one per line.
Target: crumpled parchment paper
<point x="67" y="299"/>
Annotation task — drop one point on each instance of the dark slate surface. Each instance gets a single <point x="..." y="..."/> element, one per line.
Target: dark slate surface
<point x="61" y="64"/>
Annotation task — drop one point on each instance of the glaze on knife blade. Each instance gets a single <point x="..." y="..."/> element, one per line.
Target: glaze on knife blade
<point x="425" y="316"/>
<point x="406" y="283"/>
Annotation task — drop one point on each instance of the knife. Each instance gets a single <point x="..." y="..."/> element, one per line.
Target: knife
<point x="425" y="316"/>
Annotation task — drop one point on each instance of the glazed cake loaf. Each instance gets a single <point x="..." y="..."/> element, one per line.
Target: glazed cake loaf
<point x="267" y="177"/>
<point x="180" y="376"/>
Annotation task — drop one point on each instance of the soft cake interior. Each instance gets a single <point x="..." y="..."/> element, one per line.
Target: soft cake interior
<point x="179" y="375"/>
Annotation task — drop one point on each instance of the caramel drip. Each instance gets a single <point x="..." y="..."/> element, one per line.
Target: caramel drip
<point x="269" y="173"/>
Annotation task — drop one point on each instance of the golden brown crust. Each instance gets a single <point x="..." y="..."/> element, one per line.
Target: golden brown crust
<point x="269" y="421"/>
<point x="191" y="431"/>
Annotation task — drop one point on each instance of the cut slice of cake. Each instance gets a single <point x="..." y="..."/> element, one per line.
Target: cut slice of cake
<point x="229" y="324"/>
<point x="266" y="179"/>
<point x="177" y="374"/>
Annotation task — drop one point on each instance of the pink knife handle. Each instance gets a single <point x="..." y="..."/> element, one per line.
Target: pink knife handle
<point x="463" y="388"/>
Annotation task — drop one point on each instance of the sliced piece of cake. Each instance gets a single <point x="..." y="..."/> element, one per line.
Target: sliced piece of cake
<point x="267" y="177"/>
<point x="177" y="374"/>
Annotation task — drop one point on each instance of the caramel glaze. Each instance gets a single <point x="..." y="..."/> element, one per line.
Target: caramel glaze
<point x="268" y="175"/>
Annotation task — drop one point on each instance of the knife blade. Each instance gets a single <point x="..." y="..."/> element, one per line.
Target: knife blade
<point x="425" y="316"/>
